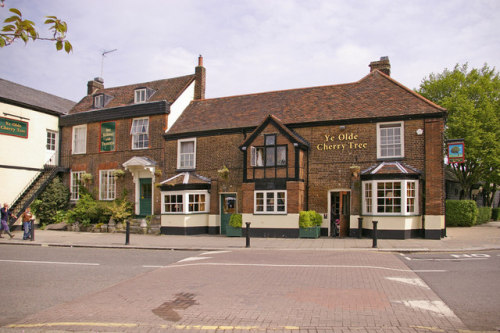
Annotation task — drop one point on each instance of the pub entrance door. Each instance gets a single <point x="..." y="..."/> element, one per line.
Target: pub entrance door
<point x="228" y="207"/>
<point x="340" y="208"/>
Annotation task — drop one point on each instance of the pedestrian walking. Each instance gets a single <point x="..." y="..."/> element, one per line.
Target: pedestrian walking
<point x="5" y="214"/>
<point x="27" y="218"/>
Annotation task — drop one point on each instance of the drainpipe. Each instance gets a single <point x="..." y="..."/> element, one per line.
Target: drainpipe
<point x="307" y="182"/>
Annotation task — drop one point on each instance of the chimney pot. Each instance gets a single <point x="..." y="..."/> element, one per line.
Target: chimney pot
<point x="382" y="65"/>
<point x="94" y="85"/>
<point x="200" y="78"/>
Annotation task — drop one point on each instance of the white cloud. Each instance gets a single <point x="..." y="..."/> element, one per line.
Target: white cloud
<point x="252" y="45"/>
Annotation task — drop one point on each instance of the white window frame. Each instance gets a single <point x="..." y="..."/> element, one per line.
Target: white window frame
<point x="75" y="181"/>
<point x="79" y="144"/>
<point x="381" y="127"/>
<point x="266" y="196"/>
<point x="370" y="197"/>
<point x="99" y="101"/>
<point x="140" y="95"/>
<point x="189" y="203"/>
<point x="180" y="155"/>
<point x="107" y="189"/>
<point x="138" y="140"/>
<point x="51" y="140"/>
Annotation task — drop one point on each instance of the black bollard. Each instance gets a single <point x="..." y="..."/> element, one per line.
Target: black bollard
<point x="360" y="227"/>
<point x="374" y="234"/>
<point x="32" y="224"/>
<point x="127" y="234"/>
<point x="248" y="234"/>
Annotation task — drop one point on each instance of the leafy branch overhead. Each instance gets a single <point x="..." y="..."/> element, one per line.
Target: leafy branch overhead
<point x="18" y="28"/>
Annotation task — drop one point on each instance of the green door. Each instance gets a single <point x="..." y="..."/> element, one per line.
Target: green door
<point x="146" y="191"/>
<point x="228" y="207"/>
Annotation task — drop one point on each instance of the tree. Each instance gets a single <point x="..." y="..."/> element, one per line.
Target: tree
<point x="53" y="199"/>
<point x="18" y="28"/>
<point x="473" y="102"/>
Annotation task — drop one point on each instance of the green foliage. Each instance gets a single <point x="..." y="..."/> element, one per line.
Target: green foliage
<point x="309" y="219"/>
<point x="53" y="199"/>
<point x="461" y="213"/>
<point x="483" y="215"/>
<point x="495" y="214"/>
<point x="121" y="209"/>
<point x="236" y="221"/>
<point x="472" y="98"/>
<point x="18" y="28"/>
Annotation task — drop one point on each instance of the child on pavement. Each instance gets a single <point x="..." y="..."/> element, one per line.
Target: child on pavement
<point x="5" y="214"/>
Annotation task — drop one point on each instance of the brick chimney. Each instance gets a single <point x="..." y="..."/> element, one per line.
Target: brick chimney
<point x="382" y="65"/>
<point x="200" y="77"/>
<point x="94" y="85"/>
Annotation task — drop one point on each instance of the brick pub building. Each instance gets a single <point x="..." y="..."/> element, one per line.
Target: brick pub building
<point x="112" y="139"/>
<point x="372" y="149"/>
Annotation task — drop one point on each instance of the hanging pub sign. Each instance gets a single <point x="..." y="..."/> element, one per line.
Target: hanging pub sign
<point x="108" y="136"/>
<point x="13" y="127"/>
<point x="456" y="151"/>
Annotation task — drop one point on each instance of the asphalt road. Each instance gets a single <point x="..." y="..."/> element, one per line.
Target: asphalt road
<point x="33" y="278"/>
<point x="69" y="289"/>
<point x="469" y="283"/>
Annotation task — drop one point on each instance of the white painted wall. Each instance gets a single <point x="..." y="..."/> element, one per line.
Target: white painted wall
<point x="288" y="221"/>
<point x="28" y="152"/>
<point x="180" y="104"/>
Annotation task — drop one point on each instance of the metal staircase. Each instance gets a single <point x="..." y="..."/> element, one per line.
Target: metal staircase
<point x="34" y="188"/>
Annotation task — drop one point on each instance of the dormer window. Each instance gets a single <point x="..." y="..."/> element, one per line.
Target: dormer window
<point x="99" y="101"/>
<point x="140" y="95"/>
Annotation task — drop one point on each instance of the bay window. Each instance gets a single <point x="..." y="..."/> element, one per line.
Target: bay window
<point x="390" y="197"/>
<point x="185" y="202"/>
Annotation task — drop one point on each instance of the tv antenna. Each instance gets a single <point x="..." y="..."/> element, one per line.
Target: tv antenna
<point x="104" y="55"/>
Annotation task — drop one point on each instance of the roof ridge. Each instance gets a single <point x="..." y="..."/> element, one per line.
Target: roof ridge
<point x="277" y="91"/>
<point x="431" y="103"/>
<point x="153" y="81"/>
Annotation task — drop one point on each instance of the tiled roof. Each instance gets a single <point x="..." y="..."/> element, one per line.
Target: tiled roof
<point x="186" y="178"/>
<point x="279" y="124"/>
<point x="165" y="90"/>
<point x="376" y="95"/>
<point x="391" y="168"/>
<point x="28" y="97"/>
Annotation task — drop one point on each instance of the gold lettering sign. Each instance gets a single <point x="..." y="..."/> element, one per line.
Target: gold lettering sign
<point x="341" y="142"/>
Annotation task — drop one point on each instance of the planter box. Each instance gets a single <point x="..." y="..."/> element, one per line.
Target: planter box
<point x="312" y="232"/>
<point x="233" y="232"/>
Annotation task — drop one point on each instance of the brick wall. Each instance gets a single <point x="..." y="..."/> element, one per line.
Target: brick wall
<point x="434" y="168"/>
<point x="94" y="160"/>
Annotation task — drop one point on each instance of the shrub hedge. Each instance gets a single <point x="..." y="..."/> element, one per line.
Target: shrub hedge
<point x="236" y="221"/>
<point x="495" y="214"/>
<point x="309" y="219"/>
<point x="484" y="215"/>
<point x="461" y="213"/>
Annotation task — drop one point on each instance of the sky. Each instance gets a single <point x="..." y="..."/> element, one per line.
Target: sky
<point x="250" y="46"/>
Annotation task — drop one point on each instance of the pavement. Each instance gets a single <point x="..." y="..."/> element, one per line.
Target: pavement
<point x="476" y="238"/>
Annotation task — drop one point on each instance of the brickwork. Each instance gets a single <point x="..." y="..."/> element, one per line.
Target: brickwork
<point x="434" y="168"/>
<point x="94" y="160"/>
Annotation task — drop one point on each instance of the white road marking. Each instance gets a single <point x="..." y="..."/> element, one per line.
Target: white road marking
<point x="283" y="265"/>
<point x="194" y="259"/>
<point x="50" y="262"/>
<point x="414" y="282"/>
<point x="213" y="252"/>
<point x="438" y="307"/>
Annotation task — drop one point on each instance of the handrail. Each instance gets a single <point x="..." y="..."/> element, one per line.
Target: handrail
<point x="25" y="188"/>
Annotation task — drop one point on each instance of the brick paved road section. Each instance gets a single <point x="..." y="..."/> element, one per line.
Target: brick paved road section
<point x="259" y="290"/>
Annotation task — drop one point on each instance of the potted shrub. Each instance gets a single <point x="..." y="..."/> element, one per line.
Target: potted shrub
<point x="309" y="224"/>
<point x="233" y="229"/>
